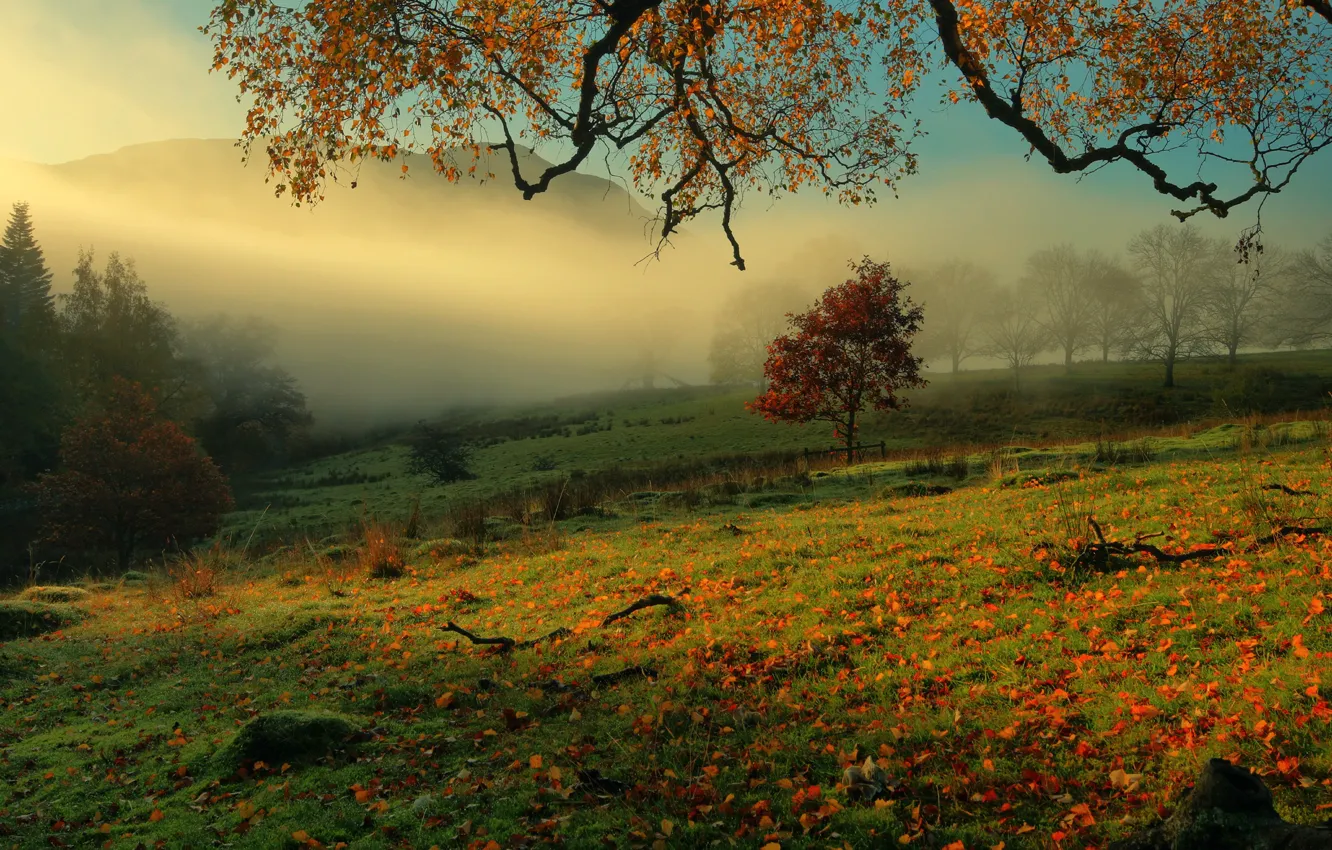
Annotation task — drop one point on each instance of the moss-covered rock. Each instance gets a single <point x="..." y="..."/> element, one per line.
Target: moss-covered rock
<point x="1228" y="808"/>
<point x="287" y="737"/>
<point x="54" y="593"/>
<point x="22" y="618"/>
<point x="135" y="577"/>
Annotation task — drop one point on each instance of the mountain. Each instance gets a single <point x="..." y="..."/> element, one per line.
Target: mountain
<point x="211" y="177"/>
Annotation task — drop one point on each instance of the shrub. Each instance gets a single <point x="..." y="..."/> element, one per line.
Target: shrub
<point x="469" y="524"/>
<point x="194" y="577"/>
<point x="381" y="557"/>
<point x="958" y="467"/>
<point x="543" y="463"/>
<point x="440" y="454"/>
<point x="130" y="479"/>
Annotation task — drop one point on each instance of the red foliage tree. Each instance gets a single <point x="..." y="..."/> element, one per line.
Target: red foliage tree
<point x="129" y="478"/>
<point x="850" y="351"/>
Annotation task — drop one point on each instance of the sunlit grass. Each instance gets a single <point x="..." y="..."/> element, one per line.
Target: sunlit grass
<point x="1006" y="697"/>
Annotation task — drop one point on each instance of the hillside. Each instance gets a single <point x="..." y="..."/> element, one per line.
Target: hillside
<point x="668" y="436"/>
<point x="1013" y="693"/>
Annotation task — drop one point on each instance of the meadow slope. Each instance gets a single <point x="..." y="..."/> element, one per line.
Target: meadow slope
<point x="525" y="446"/>
<point x="1013" y="699"/>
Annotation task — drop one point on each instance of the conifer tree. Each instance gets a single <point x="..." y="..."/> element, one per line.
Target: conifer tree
<point x="27" y="307"/>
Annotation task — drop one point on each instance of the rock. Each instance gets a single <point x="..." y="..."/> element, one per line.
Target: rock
<point x="287" y="736"/>
<point x="54" y="593"/>
<point x="1229" y="808"/>
<point x="866" y="781"/>
<point x="22" y="618"/>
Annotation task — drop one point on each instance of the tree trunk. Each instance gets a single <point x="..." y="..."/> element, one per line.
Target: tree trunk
<point x="957" y="362"/>
<point x="850" y="436"/>
<point x="1170" y="369"/>
<point x="1105" y="352"/>
<point x="1068" y="359"/>
<point x="124" y="549"/>
<point x="1233" y="348"/>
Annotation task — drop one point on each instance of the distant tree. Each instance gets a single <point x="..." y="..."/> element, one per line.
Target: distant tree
<point x="111" y="328"/>
<point x="748" y="321"/>
<point x="1243" y="300"/>
<point x="130" y="479"/>
<point x="1057" y="286"/>
<point x="1178" y="267"/>
<point x="1013" y="334"/>
<point x="1305" y="315"/>
<point x="255" y="408"/>
<point x="31" y="415"/>
<point x="441" y="454"/>
<point x="852" y="350"/>
<point x="27" y="308"/>
<point x="1116" y="301"/>
<point x="953" y="296"/>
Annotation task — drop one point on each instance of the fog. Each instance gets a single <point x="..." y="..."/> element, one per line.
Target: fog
<point x="402" y="297"/>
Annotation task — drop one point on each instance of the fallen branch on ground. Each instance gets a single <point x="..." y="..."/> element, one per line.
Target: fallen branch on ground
<point x="1288" y="490"/>
<point x="558" y="634"/>
<point x="506" y="642"/>
<point x="645" y="602"/>
<point x="1099" y="552"/>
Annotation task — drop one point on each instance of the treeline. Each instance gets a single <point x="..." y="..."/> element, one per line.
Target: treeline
<point x="105" y="397"/>
<point x="1173" y="294"/>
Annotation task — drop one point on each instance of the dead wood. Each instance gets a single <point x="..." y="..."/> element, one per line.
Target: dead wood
<point x="1288" y="490"/>
<point x="1099" y="553"/>
<point x="646" y="602"/>
<point x="506" y="642"/>
<point x="558" y="634"/>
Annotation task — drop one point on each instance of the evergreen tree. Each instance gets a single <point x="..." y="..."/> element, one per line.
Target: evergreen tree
<point x="27" y="308"/>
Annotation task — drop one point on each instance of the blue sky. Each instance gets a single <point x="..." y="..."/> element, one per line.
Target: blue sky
<point x="101" y="74"/>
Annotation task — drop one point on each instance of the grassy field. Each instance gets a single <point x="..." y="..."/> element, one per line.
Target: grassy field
<point x="1012" y="695"/>
<point x="689" y="425"/>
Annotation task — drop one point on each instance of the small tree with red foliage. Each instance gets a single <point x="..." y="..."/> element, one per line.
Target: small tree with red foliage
<point x="852" y="350"/>
<point x="129" y="478"/>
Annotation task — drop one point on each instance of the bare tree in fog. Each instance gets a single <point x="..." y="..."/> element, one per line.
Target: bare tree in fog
<point x="1116" y="302"/>
<point x="747" y="323"/>
<point x="1013" y="334"/>
<point x="1058" y="287"/>
<point x="1243" y="301"/>
<point x="1305" y="315"/>
<point x="1178" y="267"/>
<point x="953" y="296"/>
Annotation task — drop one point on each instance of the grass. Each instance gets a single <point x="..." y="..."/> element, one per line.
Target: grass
<point x="542" y="446"/>
<point x="1006" y="698"/>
